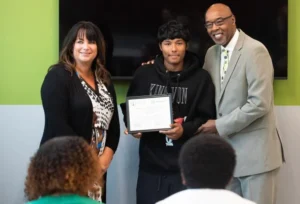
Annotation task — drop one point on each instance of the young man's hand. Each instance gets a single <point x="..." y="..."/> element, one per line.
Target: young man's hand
<point x="175" y="133"/>
<point x="137" y="135"/>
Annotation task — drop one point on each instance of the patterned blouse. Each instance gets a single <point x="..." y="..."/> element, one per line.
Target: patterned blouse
<point x="103" y="109"/>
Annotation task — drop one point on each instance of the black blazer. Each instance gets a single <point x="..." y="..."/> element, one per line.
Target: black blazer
<point x="68" y="109"/>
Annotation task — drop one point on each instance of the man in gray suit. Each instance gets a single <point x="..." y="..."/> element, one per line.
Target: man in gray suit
<point x="242" y="71"/>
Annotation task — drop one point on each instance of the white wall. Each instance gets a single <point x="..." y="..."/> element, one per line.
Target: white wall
<point x="288" y="122"/>
<point x="21" y="129"/>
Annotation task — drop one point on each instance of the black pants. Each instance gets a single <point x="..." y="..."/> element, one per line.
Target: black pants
<point x="155" y="187"/>
<point x="104" y="188"/>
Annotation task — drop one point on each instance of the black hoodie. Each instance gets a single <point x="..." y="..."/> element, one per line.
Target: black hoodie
<point x="193" y="95"/>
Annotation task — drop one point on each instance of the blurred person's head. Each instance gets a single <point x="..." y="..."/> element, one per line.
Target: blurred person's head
<point x="207" y="161"/>
<point x="173" y="40"/>
<point x="220" y="23"/>
<point x="84" y="45"/>
<point x="63" y="165"/>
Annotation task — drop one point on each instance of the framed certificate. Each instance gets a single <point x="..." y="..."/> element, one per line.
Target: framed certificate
<point x="149" y="113"/>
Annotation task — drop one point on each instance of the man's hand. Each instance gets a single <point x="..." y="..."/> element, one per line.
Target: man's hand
<point x="208" y="127"/>
<point x="149" y="62"/>
<point x="137" y="135"/>
<point x="175" y="133"/>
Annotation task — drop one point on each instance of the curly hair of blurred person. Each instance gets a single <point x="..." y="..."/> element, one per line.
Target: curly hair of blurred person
<point x="63" y="165"/>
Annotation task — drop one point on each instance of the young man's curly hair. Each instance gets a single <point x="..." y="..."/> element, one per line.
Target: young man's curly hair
<point x="62" y="165"/>
<point x="207" y="161"/>
<point x="171" y="30"/>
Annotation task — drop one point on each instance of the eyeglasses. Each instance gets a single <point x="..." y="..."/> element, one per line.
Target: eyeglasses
<point x="217" y="22"/>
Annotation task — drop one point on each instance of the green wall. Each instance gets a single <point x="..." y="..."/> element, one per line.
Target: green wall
<point x="29" y="44"/>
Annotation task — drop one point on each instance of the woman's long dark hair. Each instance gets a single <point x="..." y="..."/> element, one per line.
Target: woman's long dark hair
<point x="92" y="33"/>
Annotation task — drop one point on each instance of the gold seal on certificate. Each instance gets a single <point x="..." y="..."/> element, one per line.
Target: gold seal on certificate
<point x="149" y="113"/>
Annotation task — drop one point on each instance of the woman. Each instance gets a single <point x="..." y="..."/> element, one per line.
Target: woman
<point x="78" y="97"/>
<point x="62" y="171"/>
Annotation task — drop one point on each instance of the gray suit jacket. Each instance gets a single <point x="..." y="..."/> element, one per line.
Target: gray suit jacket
<point x="245" y="109"/>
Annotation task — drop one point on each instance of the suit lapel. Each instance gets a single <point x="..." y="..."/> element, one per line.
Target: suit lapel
<point x="233" y="62"/>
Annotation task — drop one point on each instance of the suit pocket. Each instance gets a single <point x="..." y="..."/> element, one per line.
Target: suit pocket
<point x="246" y="130"/>
<point x="250" y="129"/>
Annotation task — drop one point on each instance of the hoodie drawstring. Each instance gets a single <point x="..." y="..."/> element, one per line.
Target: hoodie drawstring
<point x="175" y="104"/>
<point x="176" y="107"/>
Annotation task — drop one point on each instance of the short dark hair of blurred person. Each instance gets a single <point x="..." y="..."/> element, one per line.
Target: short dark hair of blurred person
<point x="79" y="98"/>
<point x="63" y="169"/>
<point x="176" y="72"/>
<point x="207" y="164"/>
<point x="207" y="161"/>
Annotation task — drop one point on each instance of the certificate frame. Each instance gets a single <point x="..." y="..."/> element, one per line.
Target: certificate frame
<point x="166" y="101"/>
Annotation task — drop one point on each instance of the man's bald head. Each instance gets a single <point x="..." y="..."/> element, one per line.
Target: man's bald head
<point x="220" y="8"/>
<point x="220" y="23"/>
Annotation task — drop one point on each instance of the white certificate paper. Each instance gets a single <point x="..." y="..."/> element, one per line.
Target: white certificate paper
<point x="149" y="113"/>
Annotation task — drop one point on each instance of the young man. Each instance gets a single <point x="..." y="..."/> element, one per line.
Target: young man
<point x="242" y="71"/>
<point x="207" y="163"/>
<point x="179" y="73"/>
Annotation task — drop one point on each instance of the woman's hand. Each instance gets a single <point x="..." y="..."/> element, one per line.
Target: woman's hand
<point x="106" y="158"/>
